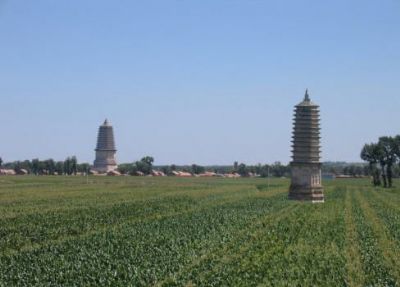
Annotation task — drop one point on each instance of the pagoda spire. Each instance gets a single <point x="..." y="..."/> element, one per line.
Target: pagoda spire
<point x="306" y="96"/>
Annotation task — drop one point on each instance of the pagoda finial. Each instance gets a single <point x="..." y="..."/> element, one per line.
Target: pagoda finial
<point x="105" y="122"/>
<point x="306" y="96"/>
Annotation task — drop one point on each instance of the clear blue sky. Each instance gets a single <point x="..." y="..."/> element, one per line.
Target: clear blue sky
<point x="206" y="82"/>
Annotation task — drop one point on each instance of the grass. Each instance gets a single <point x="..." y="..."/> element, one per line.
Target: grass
<point x="142" y="231"/>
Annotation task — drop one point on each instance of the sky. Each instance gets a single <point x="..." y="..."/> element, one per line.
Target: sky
<point x="206" y="82"/>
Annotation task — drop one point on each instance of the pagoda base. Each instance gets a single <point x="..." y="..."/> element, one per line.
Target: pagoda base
<point x="306" y="182"/>
<point x="313" y="194"/>
<point x="105" y="169"/>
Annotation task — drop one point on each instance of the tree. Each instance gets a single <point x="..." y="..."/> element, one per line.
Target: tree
<point x="74" y="165"/>
<point x="397" y="150"/>
<point x="242" y="169"/>
<point x="388" y="156"/>
<point x="265" y="170"/>
<point x="235" y="166"/>
<point x="197" y="169"/>
<point x="50" y="166"/>
<point x="258" y="169"/>
<point x="83" y="168"/>
<point x="35" y="166"/>
<point x="1" y="161"/>
<point x="124" y="168"/>
<point x="59" y="167"/>
<point x="386" y="152"/>
<point x="26" y="164"/>
<point x="145" y="165"/>
<point x="17" y="166"/>
<point x="166" y="169"/>
<point x="67" y="166"/>
<point x="133" y="169"/>
<point x="370" y="153"/>
<point x="278" y="169"/>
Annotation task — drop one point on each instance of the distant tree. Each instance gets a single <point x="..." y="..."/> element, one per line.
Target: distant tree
<point x="397" y="151"/>
<point x="258" y="169"/>
<point x="278" y="169"/>
<point x="26" y="164"/>
<point x="370" y="153"/>
<point x="388" y="153"/>
<point x="352" y="170"/>
<point x="366" y="170"/>
<point x="17" y="166"/>
<point x="59" y="167"/>
<point x="166" y="170"/>
<point x="242" y="170"/>
<point x="50" y="166"/>
<point x="145" y="165"/>
<point x="197" y="169"/>
<point x="35" y="166"/>
<point x="74" y="165"/>
<point x="235" y="166"/>
<point x="83" y="167"/>
<point x="396" y="171"/>
<point x="133" y="169"/>
<point x="124" y="168"/>
<point x="42" y="167"/>
<point x="265" y="170"/>
<point x="67" y="166"/>
<point x="1" y="161"/>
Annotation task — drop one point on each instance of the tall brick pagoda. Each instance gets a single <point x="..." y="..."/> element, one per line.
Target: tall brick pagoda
<point x="305" y="166"/>
<point x="105" y="149"/>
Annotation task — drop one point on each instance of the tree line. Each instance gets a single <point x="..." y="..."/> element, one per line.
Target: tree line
<point x="69" y="166"/>
<point x="382" y="157"/>
<point x="145" y="167"/>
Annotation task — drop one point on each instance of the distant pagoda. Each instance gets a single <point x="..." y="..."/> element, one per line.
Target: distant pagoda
<point x="306" y="166"/>
<point x="105" y="149"/>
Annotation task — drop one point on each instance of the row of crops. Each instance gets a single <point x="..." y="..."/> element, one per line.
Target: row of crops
<point x="205" y="232"/>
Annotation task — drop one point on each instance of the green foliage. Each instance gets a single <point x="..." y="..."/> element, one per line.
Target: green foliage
<point x="376" y="273"/>
<point x="197" y="169"/>
<point x="145" y="165"/>
<point x="131" y="231"/>
<point x="386" y="153"/>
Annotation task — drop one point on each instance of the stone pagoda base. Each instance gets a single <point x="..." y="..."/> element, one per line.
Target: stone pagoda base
<point x="105" y="168"/>
<point x="314" y="195"/>
<point x="306" y="182"/>
<point x="105" y="161"/>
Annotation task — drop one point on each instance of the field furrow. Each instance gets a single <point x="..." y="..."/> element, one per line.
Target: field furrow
<point x="355" y="272"/>
<point x="376" y="260"/>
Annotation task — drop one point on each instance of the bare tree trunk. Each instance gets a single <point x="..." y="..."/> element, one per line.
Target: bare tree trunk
<point x="383" y="173"/>
<point x="389" y="175"/>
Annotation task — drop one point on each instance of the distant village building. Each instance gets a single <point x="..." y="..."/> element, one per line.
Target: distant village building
<point x="306" y="167"/>
<point x="5" y="171"/>
<point x="207" y="174"/>
<point x="105" y="149"/>
<point x="157" y="173"/>
<point x="113" y="173"/>
<point x="232" y="175"/>
<point x="22" y="171"/>
<point x="181" y="173"/>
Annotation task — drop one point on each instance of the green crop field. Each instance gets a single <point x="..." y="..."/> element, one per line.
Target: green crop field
<point x="143" y="231"/>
